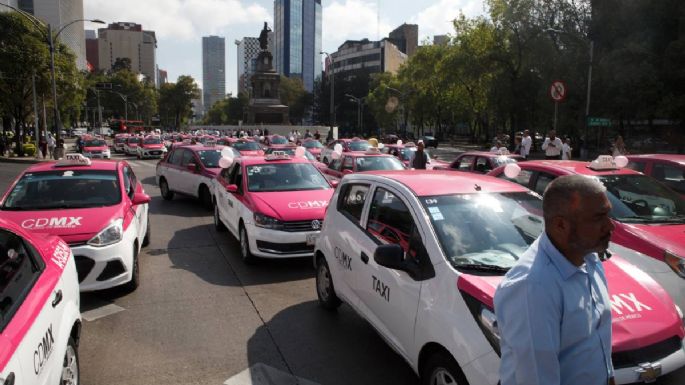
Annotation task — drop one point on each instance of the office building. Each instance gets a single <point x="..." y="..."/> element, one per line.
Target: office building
<point x="213" y="70"/>
<point x="406" y="38"/>
<point x="59" y="13"/>
<point x="247" y="51"/>
<point x="11" y="3"/>
<point x="297" y="39"/>
<point x="355" y="56"/>
<point x="163" y="76"/>
<point x="441" y="40"/>
<point x="128" y="40"/>
<point x="92" y="51"/>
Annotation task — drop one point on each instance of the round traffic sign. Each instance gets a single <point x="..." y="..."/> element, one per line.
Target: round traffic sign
<point x="557" y="91"/>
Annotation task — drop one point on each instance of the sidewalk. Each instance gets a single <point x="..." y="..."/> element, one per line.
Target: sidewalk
<point x="24" y="159"/>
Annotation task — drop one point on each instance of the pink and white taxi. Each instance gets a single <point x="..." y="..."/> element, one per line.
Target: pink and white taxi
<point x="150" y="146"/>
<point x="97" y="207"/>
<point x="119" y="143"/>
<point x="407" y="250"/>
<point x="93" y="147"/>
<point x="248" y="147"/>
<point x="40" y="325"/>
<point x="131" y="145"/>
<point x="274" y="205"/>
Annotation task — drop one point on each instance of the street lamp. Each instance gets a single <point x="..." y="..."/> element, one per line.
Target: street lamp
<point x="332" y="80"/>
<point x="360" y="110"/>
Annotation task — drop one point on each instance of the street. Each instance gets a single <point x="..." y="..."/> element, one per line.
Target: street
<point x="201" y="316"/>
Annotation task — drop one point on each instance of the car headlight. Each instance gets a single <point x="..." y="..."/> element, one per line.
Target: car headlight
<point x="488" y="322"/>
<point x="675" y="262"/>
<point x="267" y="222"/>
<point x="111" y="234"/>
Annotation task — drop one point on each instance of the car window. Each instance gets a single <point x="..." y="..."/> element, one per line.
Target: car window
<point x="390" y="220"/>
<point x="348" y="163"/>
<point x="542" y="181"/>
<point x="523" y="178"/>
<point x="187" y="158"/>
<point x="482" y="165"/>
<point x="134" y="182"/>
<point x="668" y="173"/>
<point x="351" y="200"/>
<point x="128" y="187"/>
<point x="464" y="164"/>
<point x="19" y="270"/>
<point x="335" y="164"/>
<point x="637" y="166"/>
<point x="237" y="177"/>
<point x="176" y="157"/>
<point x="225" y="174"/>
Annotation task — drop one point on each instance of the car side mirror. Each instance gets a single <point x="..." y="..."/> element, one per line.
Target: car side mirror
<point x="232" y="188"/>
<point x="334" y="183"/>
<point x="192" y="167"/>
<point x="140" y="199"/>
<point x="390" y="256"/>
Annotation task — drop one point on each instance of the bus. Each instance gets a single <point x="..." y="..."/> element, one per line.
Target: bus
<point x="120" y="126"/>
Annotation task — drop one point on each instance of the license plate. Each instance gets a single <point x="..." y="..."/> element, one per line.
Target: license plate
<point x="155" y="152"/>
<point x="311" y="239"/>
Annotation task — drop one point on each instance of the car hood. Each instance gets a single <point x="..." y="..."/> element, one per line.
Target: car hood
<point x="251" y="152"/>
<point x="293" y="205"/>
<point x="642" y="312"/>
<point x="72" y="225"/>
<point x="664" y="236"/>
<point x="132" y="144"/>
<point x="98" y="148"/>
<point x="152" y="146"/>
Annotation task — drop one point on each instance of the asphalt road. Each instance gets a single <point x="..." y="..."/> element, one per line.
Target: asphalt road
<point x="200" y="316"/>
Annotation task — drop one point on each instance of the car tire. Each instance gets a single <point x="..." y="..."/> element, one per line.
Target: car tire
<point x="133" y="284"/>
<point x="148" y="233"/>
<point x="245" y="252"/>
<point x="164" y="189"/>
<point x="205" y="197"/>
<point x="70" y="365"/>
<point x="218" y="225"/>
<point x="324" y="286"/>
<point x="441" y="369"/>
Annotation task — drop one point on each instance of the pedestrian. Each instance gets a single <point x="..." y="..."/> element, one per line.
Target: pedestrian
<point x="43" y="144"/>
<point x="317" y="135"/>
<point x="420" y="158"/>
<point x="307" y="134"/>
<point x="517" y="145"/>
<point x="495" y="148"/>
<point x="552" y="146"/>
<point x="619" y="147"/>
<point x="553" y="308"/>
<point x="526" y="144"/>
<point x="566" y="149"/>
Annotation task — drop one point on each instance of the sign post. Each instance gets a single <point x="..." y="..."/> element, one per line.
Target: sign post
<point x="558" y="93"/>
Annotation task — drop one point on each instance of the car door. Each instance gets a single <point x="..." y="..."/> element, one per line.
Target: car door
<point x="40" y="351"/>
<point x="171" y="168"/>
<point x="463" y="163"/>
<point x="133" y="186"/>
<point x="333" y="169"/>
<point x="347" y="166"/>
<point x="186" y="176"/>
<point x="389" y="298"/>
<point x="236" y="200"/>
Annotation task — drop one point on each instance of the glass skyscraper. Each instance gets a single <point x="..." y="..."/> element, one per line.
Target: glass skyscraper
<point x="213" y="70"/>
<point x="297" y="39"/>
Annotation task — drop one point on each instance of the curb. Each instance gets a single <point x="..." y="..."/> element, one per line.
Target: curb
<point x="4" y="159"/>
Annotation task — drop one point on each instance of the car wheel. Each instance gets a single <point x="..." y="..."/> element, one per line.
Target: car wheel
<point x="133" y="284"/>
<point x="324" y="286"/>
<point x="205" y="197"/>
<point x="164" y="188"/>
<point x="441" y="369"/>
<point x="218" y="225"/>
<point x="148" y="231"/>
<point x="245" y="252"/>
<point x="70" y="366"/>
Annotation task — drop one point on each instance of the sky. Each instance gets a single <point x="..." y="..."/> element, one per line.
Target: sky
<point x="180" y="24"/>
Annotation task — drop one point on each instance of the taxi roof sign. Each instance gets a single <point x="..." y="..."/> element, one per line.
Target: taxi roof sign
<point x="277" y="155"/>
<point x="73" y="159"/>
<point x="604" y="162"/>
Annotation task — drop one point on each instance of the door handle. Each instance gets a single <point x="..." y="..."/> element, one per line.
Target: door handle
<point x="365" y="258"/>
<point x="58" y="298"/>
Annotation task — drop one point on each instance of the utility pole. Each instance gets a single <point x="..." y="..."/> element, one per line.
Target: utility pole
<point x="35" y="114"/>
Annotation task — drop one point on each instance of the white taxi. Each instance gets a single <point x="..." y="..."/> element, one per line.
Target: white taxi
<point x="40" y="325"/>
<point x="97" y="206"/>
<point x="419" y="254"/>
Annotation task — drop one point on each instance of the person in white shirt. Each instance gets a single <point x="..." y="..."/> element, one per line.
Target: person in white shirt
<point x="552" y="146"/>
<point x="526" y="143"/>
<point x="566" y="149"/>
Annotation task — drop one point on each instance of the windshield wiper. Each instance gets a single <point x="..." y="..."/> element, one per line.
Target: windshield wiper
<point x="483" y="267"/>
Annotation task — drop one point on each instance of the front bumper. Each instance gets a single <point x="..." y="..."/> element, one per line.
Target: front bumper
<point x="152" y="153"/>
<point x="101" y="155"/>
<point x="267" y="243"/>
<point x="668" y="364"/>
<point x="104" y="267"/>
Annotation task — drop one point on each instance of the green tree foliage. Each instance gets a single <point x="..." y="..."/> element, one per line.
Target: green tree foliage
<point x="228" y="111"/>
<point x="121" y="64"/>
<point x="141" y="96"/>
<point x="175" y="100"/>
<point x="294" y="95"/>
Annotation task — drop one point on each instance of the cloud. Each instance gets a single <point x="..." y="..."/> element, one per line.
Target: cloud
<point x="351" y="20"/>
<point x="437" y="19"/>
<point x="180" y="19"/>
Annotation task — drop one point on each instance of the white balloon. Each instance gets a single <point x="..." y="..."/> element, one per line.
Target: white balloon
<point x="399" y="142"/>
<point x="226" y="152"/>
<point x="225" y="162"/>
<point x="300" y="151"/>
<point x="381" y="146"/>
<point x="338" y="148"/>
<point x="621" y="161"/>
<point x="335" y="155"/>
<point x="512" y="170"/>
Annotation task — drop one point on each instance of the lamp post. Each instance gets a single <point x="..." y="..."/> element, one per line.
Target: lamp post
<point x="360" y="111"/>
<point x="332" y="80"/>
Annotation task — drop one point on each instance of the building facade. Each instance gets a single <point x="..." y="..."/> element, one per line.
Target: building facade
<point x="58" y="13"/>
<point x="247" y="51"/>
<point x="11" y="3"/>
<point x="441" y="40"/>
<point x="163" y="76"/>
<point x="128" y="40"/>
<point x="92" y="51"/>
<point x="213" y="70"/>
<point x="297" y="39"/>
<point x="366" y="55"/>
<point x="406" y="38"/>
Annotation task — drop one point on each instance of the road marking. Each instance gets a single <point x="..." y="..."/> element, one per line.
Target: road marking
<point x="262" y="374"/>
<point x="101" y="312"/>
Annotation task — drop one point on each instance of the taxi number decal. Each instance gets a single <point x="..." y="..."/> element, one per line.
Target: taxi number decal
<point x="343" y="259"/>
<point x="52" y="223"/>
<point x="382" y="289"/>
<point x="306" y="205"/>
<point x="43" y="351"/>
<point x="61" y="255"/>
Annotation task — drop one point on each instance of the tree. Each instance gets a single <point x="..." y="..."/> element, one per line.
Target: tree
<point x="175" y="99"/>
<point x="293" y="95"/>
<point x="121" y="64"/>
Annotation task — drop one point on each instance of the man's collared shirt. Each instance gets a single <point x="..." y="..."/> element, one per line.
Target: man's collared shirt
<point x="554" y="320"/>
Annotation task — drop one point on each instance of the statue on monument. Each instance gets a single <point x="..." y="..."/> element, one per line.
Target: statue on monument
<point x="264" y="37"/>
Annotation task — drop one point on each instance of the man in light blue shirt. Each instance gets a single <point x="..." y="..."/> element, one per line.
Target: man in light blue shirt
<point x="553" y="309"/>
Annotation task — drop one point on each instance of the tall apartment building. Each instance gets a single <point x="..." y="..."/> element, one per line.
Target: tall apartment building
<point x="406" y="38"/>
<point x="213" y="70"/>
<point x="441" y="40"/>
<point x="128" y="40"/>
<point x="92" y="51"/>
<point x="297" y="39"/>
<point x="58" y="13"/>
<point x="247" y="51"/>
<point x="11" y="3"/>
<point x="354" y="56"/>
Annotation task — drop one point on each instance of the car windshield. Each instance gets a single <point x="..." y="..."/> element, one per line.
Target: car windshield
<point x="290" y="151"/>
<point x="485" y="229"/>
<point x="246" y="146"/>
<point x="152" y="141"/>
<point x="359" y="145"/>
<point x="94" y="143"/>
<point x="120" y="140"/>
<point x="312" y="144"/>
<point x="371" y="163"/>
<point x="64" y="189"/>
<point x="132" y="140"/>
<point x="284" y="177"/>
<point x="210" y="158"/>
<point x="641" y="199"/>
<point x="279" y="140"/>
